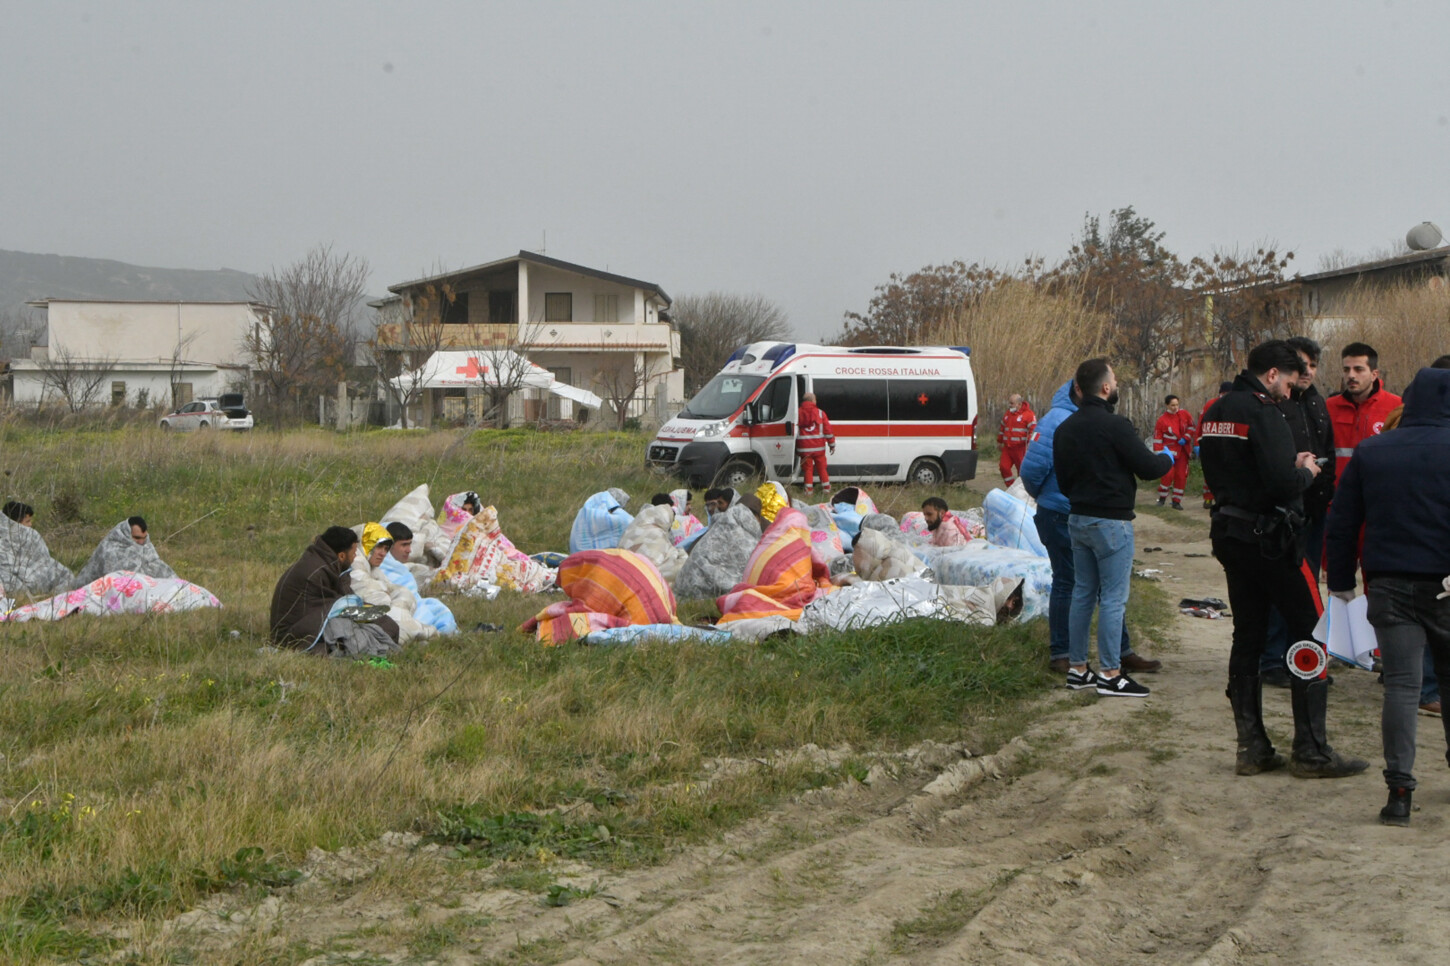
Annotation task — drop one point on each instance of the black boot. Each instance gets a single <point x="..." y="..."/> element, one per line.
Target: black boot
<point x="1312" y="757"/>
<point x="1256" y="751"/>
<point x="1397" y="809"/>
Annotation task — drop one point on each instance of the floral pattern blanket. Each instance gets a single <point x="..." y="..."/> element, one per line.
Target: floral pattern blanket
<point x="123" y="592"/>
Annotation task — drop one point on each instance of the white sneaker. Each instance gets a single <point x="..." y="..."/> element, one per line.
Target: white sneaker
<point x="1121" y="686"/>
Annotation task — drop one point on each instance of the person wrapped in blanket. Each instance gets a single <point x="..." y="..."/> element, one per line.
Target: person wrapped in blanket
<point x="945" y="527"/>
<point x="27" y="569"/>
<point x="373" y="586"/>
<point x="428" y="610"/>
<point x="783" y="575"/>
<point x="306" y="593"/>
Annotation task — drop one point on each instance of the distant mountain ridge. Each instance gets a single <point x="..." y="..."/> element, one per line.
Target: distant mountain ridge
<point x="26" y="276"/>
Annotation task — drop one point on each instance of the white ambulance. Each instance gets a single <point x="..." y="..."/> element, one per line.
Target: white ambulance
<point x="899" y="414"/>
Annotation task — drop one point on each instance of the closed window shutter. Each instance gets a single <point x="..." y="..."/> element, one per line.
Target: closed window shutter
<point x="606" y="308"/>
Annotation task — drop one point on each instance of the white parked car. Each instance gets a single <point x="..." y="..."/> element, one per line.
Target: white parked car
<point x="225" y="412"/>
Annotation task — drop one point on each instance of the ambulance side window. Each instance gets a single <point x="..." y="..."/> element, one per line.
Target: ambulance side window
<point x="774" y="402"/>
<point x="845" y="400"/>
<point x="935" y="400"/>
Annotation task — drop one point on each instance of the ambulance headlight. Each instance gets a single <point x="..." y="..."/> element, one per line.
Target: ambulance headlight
<point x="710" y="430"/>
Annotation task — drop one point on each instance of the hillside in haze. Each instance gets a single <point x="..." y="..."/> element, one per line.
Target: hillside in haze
<point x="25" y="276"/>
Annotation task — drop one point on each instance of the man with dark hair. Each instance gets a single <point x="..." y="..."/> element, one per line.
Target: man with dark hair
<point x="1053" y="510"/>
<point x="1223" y="387"/>
<point x="1313" y="432"/>
<point x="21" y="513"/>
<point x="718" y="500"/>
<point x="1359" y="410"/>
<point x="661" y="499"/>
<point x="138" y="529"/>
<point x="306" y="592"/>
<point x="945" y="528"/>
<point x="1441" y="363"/>
<point x="1096" y="454"/>
<point x="1174" y="431"/>
<point x="1396" y="490"/>
<point x="1259" y="478"/>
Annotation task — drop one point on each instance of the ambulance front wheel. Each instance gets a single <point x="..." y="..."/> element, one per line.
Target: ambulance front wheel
<point x="736" y="473"/>
<point x="926" y="471"/>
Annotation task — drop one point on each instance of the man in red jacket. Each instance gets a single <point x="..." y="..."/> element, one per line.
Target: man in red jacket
<point x="1013" y="435"/>
<point x="1360" y="410"/>
<point x="1223" y="388"/>
<point x="813" y="435"/>
<point x="1174" y="431"/>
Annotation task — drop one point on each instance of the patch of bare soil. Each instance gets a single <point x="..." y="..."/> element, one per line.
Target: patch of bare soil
<point x="1113" y="831"/>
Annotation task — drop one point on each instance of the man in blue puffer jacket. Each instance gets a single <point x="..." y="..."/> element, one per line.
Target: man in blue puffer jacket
<point x="1052" y="512"/>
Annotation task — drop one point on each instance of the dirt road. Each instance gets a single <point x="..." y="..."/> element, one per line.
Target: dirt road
<point x="1113" y="831"/>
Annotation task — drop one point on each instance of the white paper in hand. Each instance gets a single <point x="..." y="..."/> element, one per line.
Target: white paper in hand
<point x="1347" y="632"/>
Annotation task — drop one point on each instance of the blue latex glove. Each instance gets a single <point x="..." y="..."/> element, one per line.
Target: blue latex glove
<point x="1183" y="441"/>
<point x="1195" y="452"/>
<point x="1169" y="453"/>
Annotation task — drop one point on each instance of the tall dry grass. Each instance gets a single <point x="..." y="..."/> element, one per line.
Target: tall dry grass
<point x="1024" y="339"/>
<point x="1409" y="325"/>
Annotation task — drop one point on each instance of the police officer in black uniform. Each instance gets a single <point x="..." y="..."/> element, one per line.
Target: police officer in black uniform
<point x="1251" y="464"/>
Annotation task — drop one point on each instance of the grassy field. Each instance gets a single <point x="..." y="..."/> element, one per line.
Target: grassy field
<point x="149" y="762"/>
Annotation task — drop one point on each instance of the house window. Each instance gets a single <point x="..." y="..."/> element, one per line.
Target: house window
<point x="606" y="308"/>
<point x="456" y="311"/>
<point x="558" y="306"/>
<point x="118" y="394"/>
<point x="501" y="308"/>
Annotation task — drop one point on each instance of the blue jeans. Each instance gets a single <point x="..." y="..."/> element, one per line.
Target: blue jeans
<point x="1102" y="559"/>
<point x="1052" y="529"/>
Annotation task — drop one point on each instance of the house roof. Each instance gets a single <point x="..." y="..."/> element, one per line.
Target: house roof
<point x="45" y="302"/>
<point x="538" y="259"/>
<point x="1364" y="268"/>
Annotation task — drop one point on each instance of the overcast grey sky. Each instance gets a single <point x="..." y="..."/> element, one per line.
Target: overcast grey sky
<point x="801" y="150"/>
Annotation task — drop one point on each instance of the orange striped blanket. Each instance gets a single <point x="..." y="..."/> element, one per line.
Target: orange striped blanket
<point x="607" y="588"/>
<point x="782" y="576"/>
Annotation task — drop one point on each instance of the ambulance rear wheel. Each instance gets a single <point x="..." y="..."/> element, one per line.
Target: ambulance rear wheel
<point x="736" y="474"/>
<point x="926" y="471"/>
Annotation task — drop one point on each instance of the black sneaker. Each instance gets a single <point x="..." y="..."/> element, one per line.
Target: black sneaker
<point x="1161" y="501"/>
<point x="1081" y="682"/>
<point x="1121" y="686"/>
<point x="1177" y="505"/>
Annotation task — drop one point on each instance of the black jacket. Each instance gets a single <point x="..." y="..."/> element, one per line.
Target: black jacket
<point x="1247" y="450"/>
<point x="1397" y="485"/>
<point x="1313" y="431"/>
<point x="1096" y="454"/>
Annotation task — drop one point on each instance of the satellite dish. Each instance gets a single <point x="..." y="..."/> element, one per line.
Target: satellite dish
<point x="1423" y="237"/>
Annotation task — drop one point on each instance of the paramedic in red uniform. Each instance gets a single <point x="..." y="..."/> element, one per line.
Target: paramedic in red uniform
<point x="1360" y="410"/>
<point x="1013" y="435"/>
<point x="1174" y="430"/>
<point x="813" y="436"/>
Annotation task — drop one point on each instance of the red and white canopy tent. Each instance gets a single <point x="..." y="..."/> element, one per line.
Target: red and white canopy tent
<point x="480" y="369"/>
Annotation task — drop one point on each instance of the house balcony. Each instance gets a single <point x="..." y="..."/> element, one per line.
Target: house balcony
<point x="547" y="336"/>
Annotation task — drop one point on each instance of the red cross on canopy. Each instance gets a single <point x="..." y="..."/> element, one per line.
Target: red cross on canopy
<point x="473" y="370"/>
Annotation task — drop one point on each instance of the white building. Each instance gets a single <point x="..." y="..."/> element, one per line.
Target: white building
<point x="590" y="328"/>
<point x="137" y="352"/>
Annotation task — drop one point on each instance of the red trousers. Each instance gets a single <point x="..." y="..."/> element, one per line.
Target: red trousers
<point x="1176" y="478"/>
<point x="1011" y="461"/>
<point x="816" y="462"/>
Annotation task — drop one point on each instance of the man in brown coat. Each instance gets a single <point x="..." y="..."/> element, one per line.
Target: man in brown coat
<point x="306" y="592"/>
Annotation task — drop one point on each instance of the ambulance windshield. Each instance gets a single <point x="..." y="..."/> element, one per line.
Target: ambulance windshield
<point x="721" y="397"/>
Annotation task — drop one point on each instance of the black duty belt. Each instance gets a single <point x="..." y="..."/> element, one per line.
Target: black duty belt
<point x="1234" y="513"/>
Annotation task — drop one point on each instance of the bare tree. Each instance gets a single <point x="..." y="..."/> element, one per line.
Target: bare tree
<point x="17" y="334"/>
<point x="622" y="382"/>
<point x="714" y="324"/>
<point x="80" y="383"/>
<point x="505" y="354"/>
<point x="178" y="367"/>
<point x="404" y="346"/>
<point x="302" y="342"/>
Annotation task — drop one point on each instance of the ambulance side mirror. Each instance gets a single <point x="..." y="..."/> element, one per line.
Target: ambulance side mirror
<point x="747" y="415"/>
